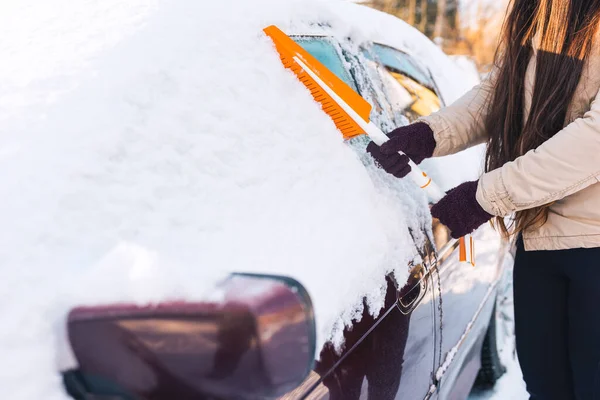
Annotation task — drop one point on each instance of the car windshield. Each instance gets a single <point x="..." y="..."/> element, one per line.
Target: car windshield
<point x="324" y="50"/>
<point x="399" y="62"/>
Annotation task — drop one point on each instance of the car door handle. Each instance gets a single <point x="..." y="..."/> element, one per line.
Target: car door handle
<point x="413" y="292"/>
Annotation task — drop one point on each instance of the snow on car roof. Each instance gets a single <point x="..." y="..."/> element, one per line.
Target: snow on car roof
<point x="386" y="29"/>
<point x="148" y="148"/>
<point x="364" y="25"/>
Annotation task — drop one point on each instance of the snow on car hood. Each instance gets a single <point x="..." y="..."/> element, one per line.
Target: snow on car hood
<point x="149" y="148"/>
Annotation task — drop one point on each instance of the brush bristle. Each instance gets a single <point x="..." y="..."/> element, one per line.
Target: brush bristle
<point x="342" y="120"/>
<point x="287" y="49"/>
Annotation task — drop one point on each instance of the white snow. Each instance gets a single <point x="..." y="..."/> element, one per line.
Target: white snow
<point x="451" y="79"/>
<point x="386" y="29"/>
<point x="509" y="386"/>
<point x="468" y="65"/>
<point x="148" y="148"/>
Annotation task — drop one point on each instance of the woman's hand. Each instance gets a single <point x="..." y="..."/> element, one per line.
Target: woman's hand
<point x="415" y="140"/>
<point x="460" y="211"/>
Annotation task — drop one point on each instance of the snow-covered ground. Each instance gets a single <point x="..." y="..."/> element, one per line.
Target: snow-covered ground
<point x="509" y="387"/>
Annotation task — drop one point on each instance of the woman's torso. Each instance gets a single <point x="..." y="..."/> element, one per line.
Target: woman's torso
<point x="575" y="220"/>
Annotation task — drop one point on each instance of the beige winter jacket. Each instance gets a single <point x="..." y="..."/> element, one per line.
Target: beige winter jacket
<point x="565" y="170"/>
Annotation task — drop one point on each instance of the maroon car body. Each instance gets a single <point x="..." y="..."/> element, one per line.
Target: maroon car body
<point x="256" y="339"/>
<point x="431" y="351"/>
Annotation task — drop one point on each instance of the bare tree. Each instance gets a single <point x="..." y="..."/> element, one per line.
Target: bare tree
<point x="390" y="7"/>
<point x="468" y="27"/>
<point x="412" y="11"/>
<point x="440" y="19"/>
<point x="481" y="33"/>
<point x="423" y="22"/>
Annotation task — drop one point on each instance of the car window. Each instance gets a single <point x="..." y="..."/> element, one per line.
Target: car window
<point x="324" y="50"/>
<point x="354" y="69"/>
<point x="383" y="113"/>
<point x="424" y="101"/>
<point x="410" y="88"/>
<point x="403" y="63"/>
<point x="413" y="99"/>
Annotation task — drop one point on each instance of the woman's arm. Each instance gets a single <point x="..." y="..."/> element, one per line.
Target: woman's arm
<point x="564" y="164"/>
<point x="461" y="125"/>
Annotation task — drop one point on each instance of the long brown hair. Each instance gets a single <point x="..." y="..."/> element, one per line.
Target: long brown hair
<point x="563" y="31"/>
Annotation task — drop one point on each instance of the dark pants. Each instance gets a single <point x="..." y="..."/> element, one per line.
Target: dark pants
<point x="557" y="317"/>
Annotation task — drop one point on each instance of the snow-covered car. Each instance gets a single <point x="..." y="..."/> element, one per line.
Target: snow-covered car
<point x="162" y="146"/>
<point x="439" y="330"/>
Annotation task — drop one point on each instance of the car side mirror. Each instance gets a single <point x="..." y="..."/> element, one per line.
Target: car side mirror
<point x="257" y="341"/>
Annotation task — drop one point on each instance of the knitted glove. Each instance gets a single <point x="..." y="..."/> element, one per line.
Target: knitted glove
<point x="415" y="140"/>
<point x="460" y="211"/>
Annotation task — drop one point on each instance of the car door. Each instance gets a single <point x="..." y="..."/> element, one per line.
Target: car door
<point x="388" y="357"/>
<point x="465" y="289"/>
<point x="393" y="355"/>
<point x="468" y="297"/>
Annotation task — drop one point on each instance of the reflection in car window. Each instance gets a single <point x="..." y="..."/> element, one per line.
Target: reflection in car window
<point x="403" y="63"/>
<point x="424" y="100"/>
<point x="382" y="110"/>
<point x="401" y="100"/>
<point x="410" y="89"/>
<point x="323" y="50"/>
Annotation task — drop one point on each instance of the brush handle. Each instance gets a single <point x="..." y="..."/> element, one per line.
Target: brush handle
<point x="466" y="252"/>
<point x="435" y="194"/>
<point x="416" y="174"/>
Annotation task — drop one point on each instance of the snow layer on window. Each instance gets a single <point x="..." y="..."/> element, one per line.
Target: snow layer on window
<point x="452" y="81"/>
<point x="148" y="148"/>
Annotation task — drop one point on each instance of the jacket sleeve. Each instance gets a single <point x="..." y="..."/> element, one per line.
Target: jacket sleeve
<point x="564" y="164"/>
<point x="460" y="125"/>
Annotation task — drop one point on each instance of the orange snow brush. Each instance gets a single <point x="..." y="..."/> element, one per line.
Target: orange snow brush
<point x="305" y="66"/>
<point x="348" y="110"/>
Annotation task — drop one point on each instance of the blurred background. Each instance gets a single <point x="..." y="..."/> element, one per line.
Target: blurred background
<point x="466" y="29"/>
